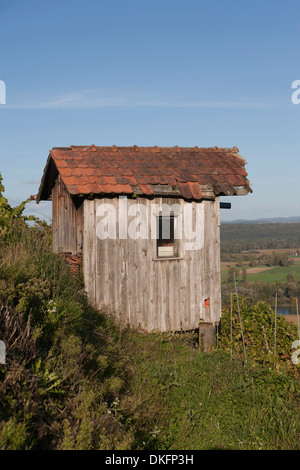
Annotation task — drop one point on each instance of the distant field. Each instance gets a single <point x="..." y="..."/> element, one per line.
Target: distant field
<point x="282" y="250"/>
<point x="266" y="273"/>
<point x="261" y="239"/>
<point x="278" y="273"/>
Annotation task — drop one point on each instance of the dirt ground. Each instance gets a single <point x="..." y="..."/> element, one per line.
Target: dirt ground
<point x="258" y="270"/>
<point x="291" y="318"/>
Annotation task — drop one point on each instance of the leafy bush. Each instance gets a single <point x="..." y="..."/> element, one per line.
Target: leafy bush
<point x="10" y="216"/>
<point x="253" y="326"/>
<point x="65" y="365"/>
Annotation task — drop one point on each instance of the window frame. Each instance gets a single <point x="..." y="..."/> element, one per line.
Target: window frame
<point x="175" y="242"/>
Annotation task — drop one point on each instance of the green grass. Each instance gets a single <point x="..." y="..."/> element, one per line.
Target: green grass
<point x="275" y="274"/>
<point x="201" y="401"/>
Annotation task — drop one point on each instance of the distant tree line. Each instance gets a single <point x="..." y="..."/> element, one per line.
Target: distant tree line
<point x="252" y="260"/>
<point x="255" y="291"/>
<point x="236" y="238"/>
<point x="277" y="259"/>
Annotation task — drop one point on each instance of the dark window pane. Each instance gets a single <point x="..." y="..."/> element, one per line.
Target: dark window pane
<point x="165" y="241"/>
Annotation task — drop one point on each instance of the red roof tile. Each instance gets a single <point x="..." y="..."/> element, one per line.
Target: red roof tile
<point x="195" y="190"/>
<point x="125" y="170"/>
<point x="146" y="189"/>
<point x="185" y="190"/>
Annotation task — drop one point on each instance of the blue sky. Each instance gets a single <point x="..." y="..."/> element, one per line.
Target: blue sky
<point x="205" y="73"/>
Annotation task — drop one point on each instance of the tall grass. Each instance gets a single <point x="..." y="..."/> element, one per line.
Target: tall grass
<point x="201" y="401"/>
<point x="78" y="367"/>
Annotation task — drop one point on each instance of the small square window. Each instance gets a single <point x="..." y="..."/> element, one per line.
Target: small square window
<point x="165" y="237"/>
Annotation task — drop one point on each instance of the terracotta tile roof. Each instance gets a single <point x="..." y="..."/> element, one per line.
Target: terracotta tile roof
<point x="189" y="172"/>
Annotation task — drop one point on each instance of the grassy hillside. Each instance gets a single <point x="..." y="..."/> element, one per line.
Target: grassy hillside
<point x="74" y="380"/>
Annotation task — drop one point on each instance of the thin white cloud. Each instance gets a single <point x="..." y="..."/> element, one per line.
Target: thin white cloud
<point x="93" y="99"/>
<point x="42" y="211"/>
<point x="30" y="182"/>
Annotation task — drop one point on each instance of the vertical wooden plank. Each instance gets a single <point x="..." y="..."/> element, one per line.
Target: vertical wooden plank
<point x="144" y="269"/>
<point x="79" y="229"/>
<point x="89" y="250"/>
<point x="100" y="261"/>
<point x="55" y="219"/>
<point x="207" y="261"/>
<point x="217" y="264"/>
<point x="66" y="221"/>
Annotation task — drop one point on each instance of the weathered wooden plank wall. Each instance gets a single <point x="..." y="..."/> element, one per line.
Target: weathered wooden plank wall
<point x="67" y="221"/>
<point x="166" y="295"/>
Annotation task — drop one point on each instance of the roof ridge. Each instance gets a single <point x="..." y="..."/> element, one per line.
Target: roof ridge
<point x="135" y="147"/>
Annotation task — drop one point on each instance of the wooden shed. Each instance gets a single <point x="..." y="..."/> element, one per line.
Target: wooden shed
<point x="146" y="222"/>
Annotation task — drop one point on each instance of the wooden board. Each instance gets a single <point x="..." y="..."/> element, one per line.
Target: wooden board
<point x="67" y="221"/>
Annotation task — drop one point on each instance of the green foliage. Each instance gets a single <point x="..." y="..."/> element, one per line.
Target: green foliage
<point x="278" y="259"/>
<point x="65" y="364"/>
<point x="255" y="325"/>
<point x="186" y="399"/>
<point x="13" y="435"/>
<point x="232" y="273"/>
<point x="10" y="216"/>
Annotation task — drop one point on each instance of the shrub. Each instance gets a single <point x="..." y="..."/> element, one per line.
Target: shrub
<point x="253" y="326"/>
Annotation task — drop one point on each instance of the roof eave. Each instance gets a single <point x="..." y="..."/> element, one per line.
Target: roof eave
<point x="48" y="179"/>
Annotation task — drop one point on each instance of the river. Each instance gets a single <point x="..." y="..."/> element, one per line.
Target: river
<point x="290" y="314"/>
<point x="285" y="310"/>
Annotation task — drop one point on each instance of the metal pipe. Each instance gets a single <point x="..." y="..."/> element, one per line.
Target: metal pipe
<point x="225" y="205"/>
<point x="240" y="318"/>
<point x="275" y="327"/>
